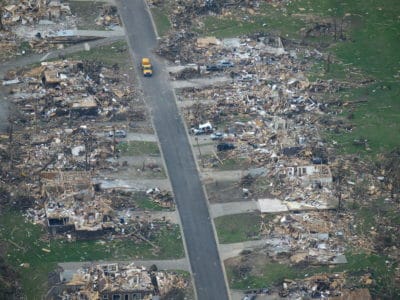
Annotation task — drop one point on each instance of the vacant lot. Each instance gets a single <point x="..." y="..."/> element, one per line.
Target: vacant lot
<point x="224" y="191"/>
<point x="238" y="228"/>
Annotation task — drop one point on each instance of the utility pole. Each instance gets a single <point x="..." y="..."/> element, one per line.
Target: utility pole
<point x="10" y="141"/>
<point x="114" y="141"/>
<point x="198" y="147"/>
<point x="88" y="150"/>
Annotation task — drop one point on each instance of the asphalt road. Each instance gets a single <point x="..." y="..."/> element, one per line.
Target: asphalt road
<point x="199" y="235"/>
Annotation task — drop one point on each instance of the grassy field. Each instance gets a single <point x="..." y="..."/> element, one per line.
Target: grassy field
<point x="233" y="164"/>
<point x="25" y="243"/>
<point x="161" y="20"/>
<point x="274" y="273"/>
<point x="371" y="47"/>
<point x="238" y="228"/>
<point x="147" y="204"/>
<point x="115" y="53"/>
<point x="375" y="121"/>
<point x="132" y="148"/>
<point x="268" y="19"/>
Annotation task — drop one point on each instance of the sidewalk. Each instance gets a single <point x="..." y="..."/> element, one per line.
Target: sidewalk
<point x="172" y="264"/>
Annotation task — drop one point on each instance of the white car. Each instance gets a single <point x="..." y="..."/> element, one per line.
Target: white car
<point x="217" y="136"/>
<point x="118" y="133"/>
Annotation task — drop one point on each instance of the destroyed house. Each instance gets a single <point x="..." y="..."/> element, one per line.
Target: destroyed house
<point x="30" y="12"/>
<point x="320" y="174"/>
<point x="51" y="78"/>
<point x="125" y="295"/>
<point x="72" y="206"/>
<point x="54" y="11"/>
<point x="89" y="220"/>
<point x="84" y="106"/>
<point x="114" y="282"/>
<point x="119" y="283"/>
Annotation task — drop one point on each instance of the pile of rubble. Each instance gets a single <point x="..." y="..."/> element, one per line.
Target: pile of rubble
<point x="272" y="115"/>
<point x="52" y="101"/>
<point x="36" y="23"/>
<point x="162" y="198"/>
<point x="38" y="26"/>
<point x="31" y="12"/>
<point x="109" y="281"/>
<point x="109" y="17"/>
<point x="71" y="89"/>
<point x="60" y="161"/>
<point x="71" y="203"/>
<point x="178" y="47"/>
<point x="322" y="286"/>
<point x="313" y="237"/>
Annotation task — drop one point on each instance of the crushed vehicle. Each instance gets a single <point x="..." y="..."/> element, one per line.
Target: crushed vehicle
<point x="202" y="129"/>
<point x="225" y="146"/>
<point x="319" y="160"/>
<point x="213" y="68"/>
<point x="225" y="64"/>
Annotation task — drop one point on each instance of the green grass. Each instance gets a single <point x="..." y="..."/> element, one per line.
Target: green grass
<point x="147" y="204"/>
<point x="114" y="54"/>
<point x="275" y="274"/>
<point x="238" y="228"/>
<point x="377" y="216"/>
<point x="24" y="243"/>
<point x="377" y="120"/>
<point x="358" y="263"/>
<point x="371" y="48"/>
<point x="241" y="23"/>
<point x="224" y="28"/>
<point x="161" y="21"/>
<point x="374" y="37"/>
<point x="233" y="164"/>
<point x="365" y="220"/>
<point x="138" y="148"/>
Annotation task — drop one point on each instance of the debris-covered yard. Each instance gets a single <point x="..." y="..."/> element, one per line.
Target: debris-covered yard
<point x="291" y="107"/>
<point x="271" y="92"/>
<point x="99" y="281"/>
<point x="77" y="133"/>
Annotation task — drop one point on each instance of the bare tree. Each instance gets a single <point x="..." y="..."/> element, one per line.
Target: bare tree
<point x="1" y="16"/>
<point x="338" y="14"/>
<point x="391" y="168"/>
<point x="340" y="172"/>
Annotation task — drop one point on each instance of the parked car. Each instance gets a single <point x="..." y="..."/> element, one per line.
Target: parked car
<point x="217" y="136"/>
<point x="118" y="133"/>
<point x="250" y="297"/>
<point x="225" y="146"/>
<point x="225" y="64"/>
<point x="213" y="68"/>
<point x="319" y="160"/>
<point x="246" y="77"/>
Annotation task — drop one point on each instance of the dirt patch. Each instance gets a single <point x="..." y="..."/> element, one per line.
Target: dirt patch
<point x="250" y="262"/>
<point x="224" y="191"/>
